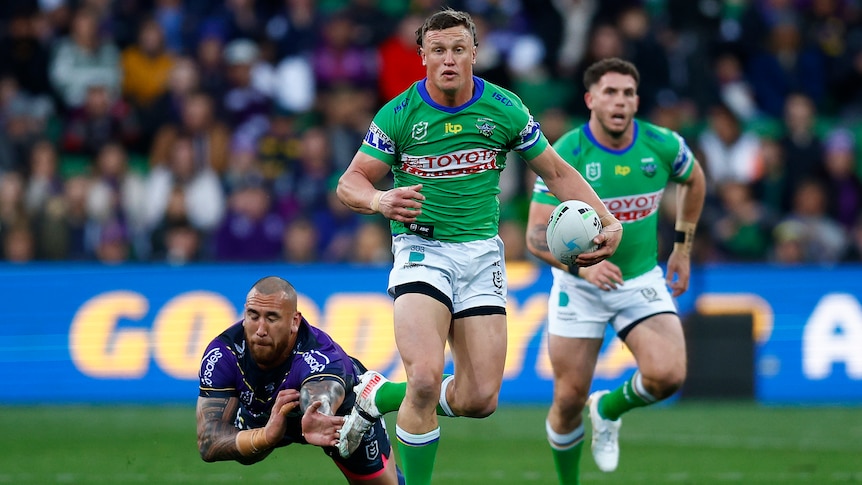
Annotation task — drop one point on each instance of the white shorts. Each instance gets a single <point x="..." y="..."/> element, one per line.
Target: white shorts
<point x="471" y="274"/>
<point x="578" y="309"/>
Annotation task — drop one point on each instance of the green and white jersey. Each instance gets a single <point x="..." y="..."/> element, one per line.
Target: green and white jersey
<point x="457" y="154"/>
<point x="630" y="182"/>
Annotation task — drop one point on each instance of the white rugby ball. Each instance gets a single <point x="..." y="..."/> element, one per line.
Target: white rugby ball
<point x="571" y="230"/>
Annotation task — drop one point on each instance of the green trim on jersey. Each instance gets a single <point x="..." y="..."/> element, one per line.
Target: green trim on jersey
<point x="630" y="182"/>
<point x="456" y="153"/>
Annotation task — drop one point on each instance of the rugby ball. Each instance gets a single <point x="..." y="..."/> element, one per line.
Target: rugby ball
<point x="571" y="230"/>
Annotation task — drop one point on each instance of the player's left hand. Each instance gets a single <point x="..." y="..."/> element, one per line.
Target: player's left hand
<point x="678" y="272"/>
<point x="320" y="429"/>
<point x="607" y="243"/>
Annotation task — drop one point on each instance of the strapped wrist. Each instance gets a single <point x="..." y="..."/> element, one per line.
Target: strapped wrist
<point x="251" y="441"/>
<point x="683" y="236"/>
<point x="375" y="201"/>
<point x="574" y="270"/>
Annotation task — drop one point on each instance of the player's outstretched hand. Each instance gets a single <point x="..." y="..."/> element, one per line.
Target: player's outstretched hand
<point x="320" y="429"/>
<point x="678" y="272"/>
<point x="607" y="241"/>
<point x="402" y="204"/>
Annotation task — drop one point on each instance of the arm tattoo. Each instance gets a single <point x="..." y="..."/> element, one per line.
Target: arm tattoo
<point x="330" y="393"/>
<point x="539" y="237"/>
<point x="216" y="431"/>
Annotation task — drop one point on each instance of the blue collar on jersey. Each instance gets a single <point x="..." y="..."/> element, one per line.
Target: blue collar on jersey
<point x="592" y="138"/>
<point x="479" y="88"/>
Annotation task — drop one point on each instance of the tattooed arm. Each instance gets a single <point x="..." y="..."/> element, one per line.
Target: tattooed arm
<point x="220" y="440"/>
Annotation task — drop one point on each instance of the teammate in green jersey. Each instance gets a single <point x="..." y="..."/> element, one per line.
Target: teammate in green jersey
<point x="445" y="140"/>
<point x="629" y="164"/>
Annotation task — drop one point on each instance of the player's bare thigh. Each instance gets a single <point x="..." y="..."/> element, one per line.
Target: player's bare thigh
<point x="658" y="345"/>
<point x="573" y="361"/>
<point x="478" y="346"/>
<point x="421" y="328"/>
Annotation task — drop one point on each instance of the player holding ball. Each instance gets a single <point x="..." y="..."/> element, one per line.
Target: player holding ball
<point x="629" y="164"/>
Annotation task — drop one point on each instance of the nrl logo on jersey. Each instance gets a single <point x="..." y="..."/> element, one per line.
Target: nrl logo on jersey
<point x="593" y="171"/>
<point x="648" y="166"/>
<point x="420" y="130"/>
<point x="485" y="126"/>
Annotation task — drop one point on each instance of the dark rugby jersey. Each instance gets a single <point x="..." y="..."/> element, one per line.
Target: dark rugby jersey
<point x="228" y="370"/>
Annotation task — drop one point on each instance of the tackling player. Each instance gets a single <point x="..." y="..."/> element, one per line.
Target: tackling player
<point x="445" y="140"/>
<point x="629" y="163"/>
<point x="272" y="379"/>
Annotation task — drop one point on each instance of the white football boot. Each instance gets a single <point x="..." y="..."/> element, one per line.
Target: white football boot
<point x="606" y="434"/>
<point x="363" y="415"/>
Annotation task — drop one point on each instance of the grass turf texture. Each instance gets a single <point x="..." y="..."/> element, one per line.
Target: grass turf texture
<point x="686" y="443"/>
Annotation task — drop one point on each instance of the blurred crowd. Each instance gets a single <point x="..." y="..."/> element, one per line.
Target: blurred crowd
<point x="215" y="130"/>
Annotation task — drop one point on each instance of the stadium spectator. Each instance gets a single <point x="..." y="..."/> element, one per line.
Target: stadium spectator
<point x="23" y="55"/>
<point x="167" y="108"/>
<point x="63" y="230"/>
<point x="337" y="228"/>
<point x="209" y="135"/>
<point x="251" y="230"/>
<point x="18" y="243"/>
<point x="181" y="181"/>
<point x="399" y="49"/>
<point x="843" y="186"/>
<point x="113" y="245"/>
<point x="25" y="119"/>
<point x="772" y="190"/>
<point x="13" y="209"/>
<point x="312" y="179"/>
<point x="787" y="63"/>
<point x="116" y="196"/>
<point x="295" y="28"/>
<point x="822" y="239"/>
<point x="300" y="241"/>
<point x="346" y="114"/>
<point x="604" y="41"/>
<point x="82" y="59"/>
<point x="339" y="61"/>
<point x="44" y="181"/>
<point x="245" y="107"/>
<point x="147" y="66"/>
<point x="801" y="143"/>
<point x="182" y="243"/>
<point x="732" y="87"/>
<point x="279" y="151"/>
<point x="730" y="152"/>
<point x="743" y="228"/>
<point x="212" y="71"/>
<point x="103" y="117"/>
<point x="372" y="244"/>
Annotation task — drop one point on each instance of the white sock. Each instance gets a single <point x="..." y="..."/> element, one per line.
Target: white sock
<point x="564" y="441"/>
<point x="444" y="404"/>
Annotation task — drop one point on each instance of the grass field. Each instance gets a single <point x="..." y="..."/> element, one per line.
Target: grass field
<point x="685" y="443"/>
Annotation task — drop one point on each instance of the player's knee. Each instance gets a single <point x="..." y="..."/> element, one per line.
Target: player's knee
<point x="424" y="387"/>
<point x="570" y="400"/>
<point x="665" y="381"/>
<point x="479" y="404"/>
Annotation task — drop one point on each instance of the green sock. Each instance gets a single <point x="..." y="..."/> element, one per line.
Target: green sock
<point x="417" y="454"/>
<point x="390" y="395"/>
<point x="567" y="457"/>
<point x="624" y="398"/>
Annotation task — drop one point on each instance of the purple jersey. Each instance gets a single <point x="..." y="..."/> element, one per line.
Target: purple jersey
<point x="228" y="370"/>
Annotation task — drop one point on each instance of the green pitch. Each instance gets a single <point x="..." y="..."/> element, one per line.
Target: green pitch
<point x="697" y="444"/>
